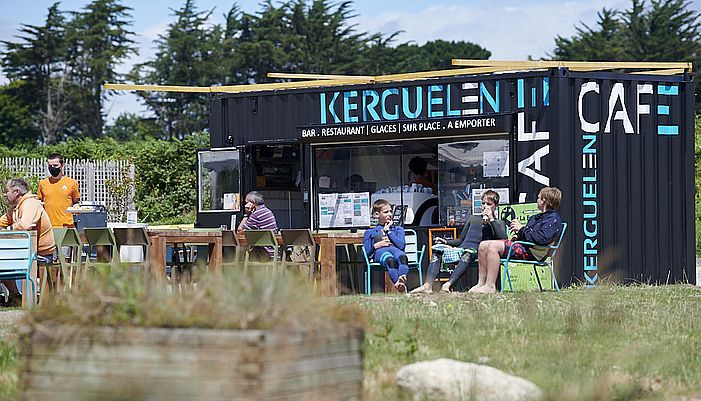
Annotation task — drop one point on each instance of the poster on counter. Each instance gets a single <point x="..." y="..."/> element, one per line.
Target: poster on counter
<point x="495" y="164"/>
<point x="477" y="197"/>
<point x="232" y="201"/>
<point x="344" y="210"/>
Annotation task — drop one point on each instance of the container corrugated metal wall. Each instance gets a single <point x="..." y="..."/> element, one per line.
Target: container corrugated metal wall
<point x="619" y="146"/>
<point x="629" y="185"/>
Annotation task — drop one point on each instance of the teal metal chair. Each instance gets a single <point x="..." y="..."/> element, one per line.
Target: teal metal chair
<point x="16" y="259"/>
<point x="547" y="262"/>
<point x="101" y="237"/>
<point x="260" y="238"/>
<point x="414" y="256"/>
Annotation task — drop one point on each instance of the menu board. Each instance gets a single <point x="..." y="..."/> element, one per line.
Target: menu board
<point x="344" y="210"/>
<point x="520" y="211"/>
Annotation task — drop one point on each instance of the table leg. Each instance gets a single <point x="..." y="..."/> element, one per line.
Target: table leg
<point x="329" y="285"/>
<point x="157" y="257"/>
<point x="215" y="256"/>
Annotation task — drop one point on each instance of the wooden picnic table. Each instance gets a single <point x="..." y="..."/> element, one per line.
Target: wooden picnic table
<point x="327" y="254"/>
<point x="160" y="239"/>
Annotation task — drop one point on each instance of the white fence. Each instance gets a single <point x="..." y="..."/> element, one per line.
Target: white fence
<point x="92" y="177"/>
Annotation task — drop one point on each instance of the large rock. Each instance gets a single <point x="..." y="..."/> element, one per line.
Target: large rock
<point x="446" y="379"/>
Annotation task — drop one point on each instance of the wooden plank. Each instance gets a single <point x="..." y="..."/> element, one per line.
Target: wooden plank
<point x="591" y="65"/>
<point x="436" y="74"/>
<point x="158" y="88"/>
<point x="288" y="75"/>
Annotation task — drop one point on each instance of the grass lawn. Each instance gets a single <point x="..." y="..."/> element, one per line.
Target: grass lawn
<point x="610" y="343"/>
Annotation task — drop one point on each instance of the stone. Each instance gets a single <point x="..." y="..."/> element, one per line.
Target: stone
<point x="450" y="380"/>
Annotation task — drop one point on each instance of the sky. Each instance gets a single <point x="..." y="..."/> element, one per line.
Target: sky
<point x="510" y="29"/>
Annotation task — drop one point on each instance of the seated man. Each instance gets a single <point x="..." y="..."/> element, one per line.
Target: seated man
<point x="26" y="213"/>
<point x="257" y="217"/>
<point x="542" y="229"/>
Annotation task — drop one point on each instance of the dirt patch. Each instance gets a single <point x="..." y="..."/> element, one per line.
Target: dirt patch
<point x="8" y="322"/>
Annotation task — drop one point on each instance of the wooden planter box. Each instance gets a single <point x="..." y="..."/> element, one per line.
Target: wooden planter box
<point x="192" y="364"/>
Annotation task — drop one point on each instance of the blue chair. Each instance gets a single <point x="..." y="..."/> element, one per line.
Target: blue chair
<point x="413" y="254"/>
<point x="547" y="262"/>
<point x="16" y="259"/>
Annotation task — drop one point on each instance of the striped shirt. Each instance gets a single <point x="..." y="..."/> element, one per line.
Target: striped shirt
<point x="262" y="219"/>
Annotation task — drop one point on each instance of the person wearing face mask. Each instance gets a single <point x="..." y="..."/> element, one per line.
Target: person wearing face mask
<point x="58" y="192"/>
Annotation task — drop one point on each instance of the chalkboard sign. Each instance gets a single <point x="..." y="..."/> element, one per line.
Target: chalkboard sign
<point x="447" y="233"/>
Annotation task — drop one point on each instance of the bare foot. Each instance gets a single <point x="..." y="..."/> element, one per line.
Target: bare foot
<point x="424" y="289"/>
<point x="475" y="288"/>
<point x="486" y="289"/>
<point x="446" y="286"/>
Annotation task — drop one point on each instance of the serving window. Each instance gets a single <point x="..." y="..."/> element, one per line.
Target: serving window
<point x="465" y="170"/>
<point x="219" y="180"/>
<point x="347" y="178"/>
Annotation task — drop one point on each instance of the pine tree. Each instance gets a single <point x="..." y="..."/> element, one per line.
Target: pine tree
<point x="666" y="30"/>
<point x="602" y="43"/>
<point x="39" y="60"/>
<point x="100" y="40"/>
<point x="185" y="56"/>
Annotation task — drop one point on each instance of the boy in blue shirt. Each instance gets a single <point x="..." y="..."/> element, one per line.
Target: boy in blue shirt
<point x="542" y="229"/>
<point x="385" y="244"/>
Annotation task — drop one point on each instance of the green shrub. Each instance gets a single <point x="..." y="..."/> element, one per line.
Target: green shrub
<point x="166" y="171"/>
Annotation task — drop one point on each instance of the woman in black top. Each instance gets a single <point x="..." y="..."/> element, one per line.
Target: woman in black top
<point x="478" y="228"/>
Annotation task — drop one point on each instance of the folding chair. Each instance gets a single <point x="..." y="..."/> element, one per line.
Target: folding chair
<point x="67" y="239"/>
<point x="260" y="238"/>
<point x="133" y="236"/>
<point x="105" y="238"/>
<point x="16" y="259"/>
<point x="414" y="256"/>
<point x="547" y="262"/>
<point x="301" y="238"/>
<point x="229" y="241"/>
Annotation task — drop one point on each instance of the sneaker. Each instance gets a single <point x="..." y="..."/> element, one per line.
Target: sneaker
<point x="401" y="287"/>
<point x="401" y="284"/>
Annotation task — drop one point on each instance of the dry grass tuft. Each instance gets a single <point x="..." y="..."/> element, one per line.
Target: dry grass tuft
<point x="258" y="299"/>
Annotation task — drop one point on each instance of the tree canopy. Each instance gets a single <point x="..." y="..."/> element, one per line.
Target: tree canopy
<point x="56" y="69"/>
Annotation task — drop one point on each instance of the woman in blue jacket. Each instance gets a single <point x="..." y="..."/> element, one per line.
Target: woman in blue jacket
<point x="542" y="229"/>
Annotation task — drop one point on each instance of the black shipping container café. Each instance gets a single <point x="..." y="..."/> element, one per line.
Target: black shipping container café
<point x="618" y="145"/>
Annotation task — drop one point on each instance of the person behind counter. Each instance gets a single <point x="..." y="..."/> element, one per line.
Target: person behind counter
<point x="26" y="213"/>
<point x="478" y="228"/>
<point x="417" y="165"/>
<point x="58" y="192"/>
<point x="385" y="244"/>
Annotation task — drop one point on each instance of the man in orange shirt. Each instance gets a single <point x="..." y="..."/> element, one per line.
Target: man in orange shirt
<point x="26" y="213"/>
<point x="58" y="192"/>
